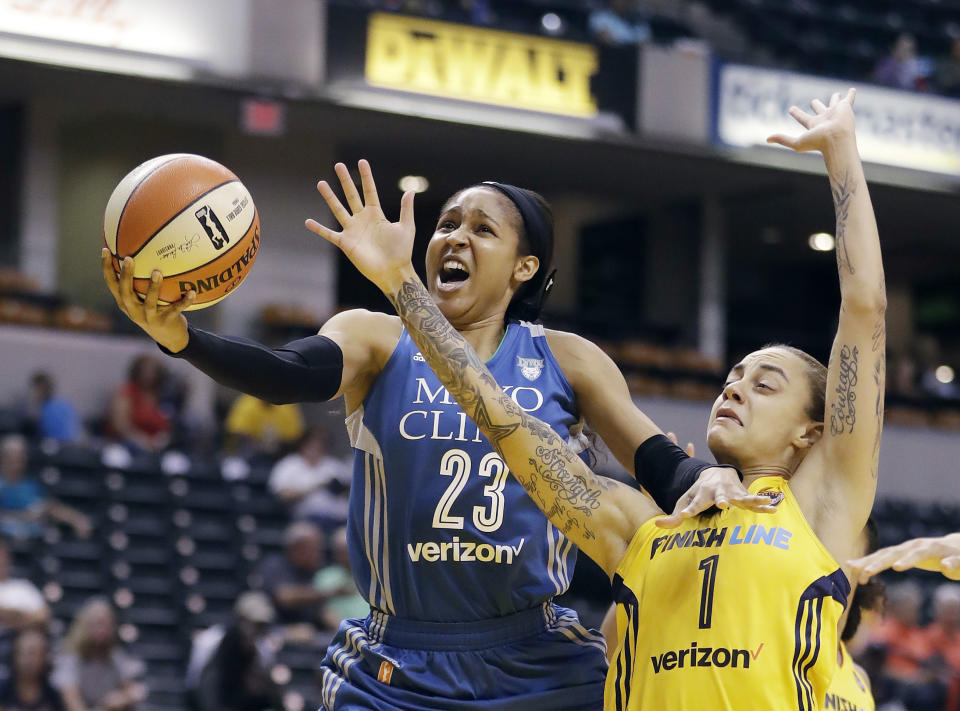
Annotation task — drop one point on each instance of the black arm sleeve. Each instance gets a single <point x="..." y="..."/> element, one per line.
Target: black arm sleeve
<point x="666" y="471"/>
<point x="307" y="370"/>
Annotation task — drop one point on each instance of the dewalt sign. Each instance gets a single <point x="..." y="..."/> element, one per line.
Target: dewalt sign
<point x="474" y="64"/>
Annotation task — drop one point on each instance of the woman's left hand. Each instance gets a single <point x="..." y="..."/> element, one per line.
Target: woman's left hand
<point x="381" y="250"/>
<point x="827" y="126"/>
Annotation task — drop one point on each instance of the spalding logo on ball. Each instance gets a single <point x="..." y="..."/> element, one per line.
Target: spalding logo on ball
<point x="189" y="217"/>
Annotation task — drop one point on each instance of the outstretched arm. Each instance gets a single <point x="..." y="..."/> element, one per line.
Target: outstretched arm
<point x="847" y="470"/>
<point x="940" y="555"/>
<point x="600" y="515"/>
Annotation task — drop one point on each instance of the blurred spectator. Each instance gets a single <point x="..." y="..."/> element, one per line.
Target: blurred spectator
<point x="47" y="415"/>
<point x="899" y="633"/>
<point x="288" y="577"/>
<point x="228" y="669"/>
<point x="28" y="688"/>
<point x="93" y="672"/>
<point x="336" y="580"/>
<point x="23" y="503"/>
<point x="136" y="416"/>
<point x="257" y="426"/>
<point x="314" y="484"/>
<point x="943" y="635"/>
<point x="911" y="674"/>
<point x="619" y="24"/>
<point x="21" y="606"/>
<point x="474" y="12"/>
<point x="426" y="8"/>
<point x="948" y="71"/>
<point x="902" y="68"/>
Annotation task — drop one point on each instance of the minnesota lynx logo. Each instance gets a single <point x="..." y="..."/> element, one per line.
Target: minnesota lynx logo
<point x="530" y="368"/>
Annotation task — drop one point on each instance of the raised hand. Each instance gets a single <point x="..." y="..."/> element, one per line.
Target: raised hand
<point x="827" y="125"/>
<point x="717" y="486"/>
<point x="937" y="554"/>
<point x="381" y="250"/>
<point x="165" y="324"/>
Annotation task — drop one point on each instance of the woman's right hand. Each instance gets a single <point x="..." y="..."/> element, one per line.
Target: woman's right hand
<point x="165" y="324"/>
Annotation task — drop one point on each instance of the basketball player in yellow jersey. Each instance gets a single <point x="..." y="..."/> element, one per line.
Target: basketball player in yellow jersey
<point x="850" y="688"/>
<point x="737" y="610"/>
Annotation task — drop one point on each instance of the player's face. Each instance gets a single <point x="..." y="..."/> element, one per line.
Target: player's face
<point x="761" y="416"/>
<point x="473" y="265"/>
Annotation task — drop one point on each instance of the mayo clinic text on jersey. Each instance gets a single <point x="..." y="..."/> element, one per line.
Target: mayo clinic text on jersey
<point x="452" y="423"/>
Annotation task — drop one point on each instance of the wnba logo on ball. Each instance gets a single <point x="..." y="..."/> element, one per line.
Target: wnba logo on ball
<point x="209" y="220"/>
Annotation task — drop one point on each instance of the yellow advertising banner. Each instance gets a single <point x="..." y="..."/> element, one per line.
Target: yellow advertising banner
<point x="475" y="64"/>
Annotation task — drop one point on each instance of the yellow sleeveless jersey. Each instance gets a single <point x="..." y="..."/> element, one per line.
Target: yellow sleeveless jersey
<point x="737" y="611"/>
<point x="849" y="690"/>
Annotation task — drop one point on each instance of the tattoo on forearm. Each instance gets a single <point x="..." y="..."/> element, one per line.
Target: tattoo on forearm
<point x="555" y="479"/>
<point x="843" y="411"/>
<point x="843" y="190"/>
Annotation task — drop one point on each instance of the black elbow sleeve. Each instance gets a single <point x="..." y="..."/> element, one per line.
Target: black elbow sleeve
<point x="302" y="371"/>
<point x="666" y="471"/>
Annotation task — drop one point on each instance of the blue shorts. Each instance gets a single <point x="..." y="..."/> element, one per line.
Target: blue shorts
<point x="540" y="659"/>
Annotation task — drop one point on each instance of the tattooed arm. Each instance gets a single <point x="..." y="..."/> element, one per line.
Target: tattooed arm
<point x="599" y="514"/>
<point x="843" y="468"/>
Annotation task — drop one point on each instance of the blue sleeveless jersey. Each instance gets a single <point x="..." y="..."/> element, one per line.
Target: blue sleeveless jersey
<point x="438" y="530"/>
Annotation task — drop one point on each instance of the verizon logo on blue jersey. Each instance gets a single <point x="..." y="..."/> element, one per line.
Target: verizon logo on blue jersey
<point x="458" y="551"/>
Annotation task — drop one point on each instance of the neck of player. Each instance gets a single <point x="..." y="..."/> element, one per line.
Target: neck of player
<point x="484" y="335"/>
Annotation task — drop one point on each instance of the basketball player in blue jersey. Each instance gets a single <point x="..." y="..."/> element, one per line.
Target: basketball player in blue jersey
<point x="458" y="564"/>
<point x="805" y="436"/>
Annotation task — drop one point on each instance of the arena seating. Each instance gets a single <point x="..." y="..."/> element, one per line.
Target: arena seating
<point x="172" y="551"/>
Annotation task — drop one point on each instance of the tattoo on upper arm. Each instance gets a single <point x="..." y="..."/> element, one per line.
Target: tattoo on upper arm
<point x="843" y="190"/>
<point x="557" y="480"/>
<point x="879" y="379"/>
<point x="843" y="411"/>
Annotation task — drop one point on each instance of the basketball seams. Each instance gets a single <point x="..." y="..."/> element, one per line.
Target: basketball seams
<point x="133" y="191"/>
<point x="244" y="235"/>
<point x="186" y="207"/>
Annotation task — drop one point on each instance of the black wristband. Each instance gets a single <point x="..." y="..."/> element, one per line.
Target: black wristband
<point x="666" y="471"/>
<point x="306" y="370"/>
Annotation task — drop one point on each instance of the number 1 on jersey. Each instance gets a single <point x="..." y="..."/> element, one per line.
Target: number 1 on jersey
<point x="709" y="568"/>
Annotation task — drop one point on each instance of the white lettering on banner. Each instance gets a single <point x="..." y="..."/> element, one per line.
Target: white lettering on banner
<point x="893" y="127"/>
<point x="457" y="551"/>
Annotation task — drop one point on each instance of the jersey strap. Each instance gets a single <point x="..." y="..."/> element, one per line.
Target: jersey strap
<point x="807" y="629"/>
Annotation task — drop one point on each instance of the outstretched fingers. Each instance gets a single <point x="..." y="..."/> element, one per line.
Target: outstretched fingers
<point x="109" y="275"/>
<point x="340" y="213"/>
<point x="325" y="232"/>
<point x="349" y="188"/>
<point x="370" y="196"/>
<point x="406" y="208"/>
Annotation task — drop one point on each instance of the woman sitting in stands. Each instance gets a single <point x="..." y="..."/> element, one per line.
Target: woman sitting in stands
<point x="136" y="417"/>
<point x="93" y="671"/>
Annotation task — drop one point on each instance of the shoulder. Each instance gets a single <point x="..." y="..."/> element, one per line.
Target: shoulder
<point x="581" y="360"/>
<point x="571" y="350"/>
<point x="359" y="327"/>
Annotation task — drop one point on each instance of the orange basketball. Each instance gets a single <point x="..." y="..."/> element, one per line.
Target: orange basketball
<point x="189" y="217"/>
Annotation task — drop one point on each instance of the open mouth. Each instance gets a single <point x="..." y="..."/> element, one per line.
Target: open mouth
<point x="452" y="275"/>
<point x="725" y="414"/>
